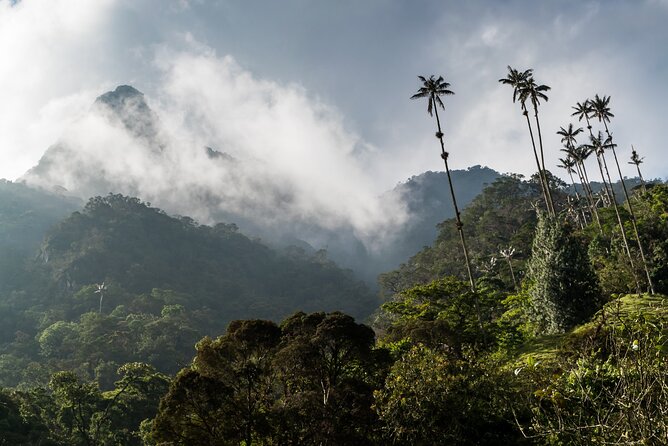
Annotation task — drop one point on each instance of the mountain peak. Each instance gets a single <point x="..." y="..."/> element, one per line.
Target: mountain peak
<point x="120" y="95"/>
<point x="129" y="106"/>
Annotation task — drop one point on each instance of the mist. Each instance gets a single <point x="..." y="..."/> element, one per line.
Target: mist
<point x="217" y="143"/>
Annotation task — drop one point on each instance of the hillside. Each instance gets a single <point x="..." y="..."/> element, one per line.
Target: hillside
<point x="124" y="272"/>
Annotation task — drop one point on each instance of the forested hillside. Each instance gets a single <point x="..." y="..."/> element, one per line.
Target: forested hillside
<point x="92" y="345"/>
<point x="146" y="286"/>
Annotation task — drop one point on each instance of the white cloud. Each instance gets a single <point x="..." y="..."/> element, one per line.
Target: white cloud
<point x="297" y="164"/>
<point x="44" y="81"/>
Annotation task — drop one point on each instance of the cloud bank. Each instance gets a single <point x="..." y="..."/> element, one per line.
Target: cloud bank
<point x="277" y="157"/>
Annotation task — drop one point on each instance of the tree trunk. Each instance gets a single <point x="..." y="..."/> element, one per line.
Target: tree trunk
<point x="543" y="185"/>
<point x="582" y="171"/>
<point x="542" y="161"/>
<point x="621" y="225"/>
<point x="460" y="225"/>
<point x="631" y="213"/>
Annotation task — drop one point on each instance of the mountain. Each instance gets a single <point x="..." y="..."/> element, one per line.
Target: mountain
<point x="428" y="201"/>
<point x="122" y="147"/>
<point x="147" y="286"/>
<point x="122" y="240"/>
<point x="27" y="213"/>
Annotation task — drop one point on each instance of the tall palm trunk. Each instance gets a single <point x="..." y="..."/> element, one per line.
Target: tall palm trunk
<point x="543" y="184"/>
<point x="582" y="171"/>
<point x="642" y="180"/>
<point x="631" y="213"/>
<point x="607" y="193"/>
<point x="542" y="161"/>
<point x="512" y="273"/>
<point x="577" y="197"/>
<point x="607" y="196"/>
<point x="459" y="224"/>
<point x="621" y="225"/>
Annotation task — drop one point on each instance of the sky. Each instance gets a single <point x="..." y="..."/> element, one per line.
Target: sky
<point x="307" y="70"/>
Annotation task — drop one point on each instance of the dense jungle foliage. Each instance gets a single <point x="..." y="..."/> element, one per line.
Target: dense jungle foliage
<point x="556" y="345"/>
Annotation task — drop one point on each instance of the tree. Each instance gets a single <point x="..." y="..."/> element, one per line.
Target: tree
<point x="431" y="399"/>
<point x="529" y="89"/>
<point x="599" y="146"/>
<point x="585" y="110"/>
<point x="325" y="366"/>
<point x="438" y="315"/>
<point x="568" y="164"/>
<point x="433" y="89"/>
<point x="517" y="80"/>
<point x="241" y="359"/>
<point x="568" y="139"/>
<point x="507" y="253"/>
<point x="100" y="289"/>
<point x="197" y="410"/>
<point x="564" y="290"/>
<point x="637" y="160"/>
<point x="15" y="429"/>
<point x="580" y="154"/>
<point x="601" y="107"/>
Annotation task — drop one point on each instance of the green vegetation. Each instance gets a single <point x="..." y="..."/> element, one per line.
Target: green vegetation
<point x="110" y="334"/>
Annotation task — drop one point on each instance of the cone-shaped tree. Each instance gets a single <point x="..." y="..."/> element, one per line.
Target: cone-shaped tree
<point x="564" y="289"/>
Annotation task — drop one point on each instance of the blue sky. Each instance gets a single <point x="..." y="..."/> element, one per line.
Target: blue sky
<point x="355" y="61"/>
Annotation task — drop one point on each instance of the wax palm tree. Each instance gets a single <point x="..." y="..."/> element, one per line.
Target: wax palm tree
<point x="599" y="145"/>
<point x="507" y="254"/>
<point x="101" y="288"/>
<point x="569" y="164"/>
<point x="601" y="106"/>
<point x="517" y="79"/>
<point x="585" y="110"/>
<point x="569" y="134"/>
<point x="432" y="89"/>
<point x="536" y="93"/>
<point x="568" y="138"/>
<point x="637" y="160"/>
<point x="580" y="154"/>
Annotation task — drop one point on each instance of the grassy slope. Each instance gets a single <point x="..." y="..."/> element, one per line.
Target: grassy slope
<point x="631" y="307"/>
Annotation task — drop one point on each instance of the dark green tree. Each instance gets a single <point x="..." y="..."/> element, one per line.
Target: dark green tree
<point x="429" y="398"/>
<point x="438" y="315"/>
<point x="325" y="364"/>
<point x="197" y="410"/>
<point x="564" y="289"/>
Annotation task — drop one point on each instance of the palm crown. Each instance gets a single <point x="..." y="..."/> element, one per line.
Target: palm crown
<point x="433" y="88"/>
<point x="567" y="163"/>
<point x="516" y="79"/>
<point x="583" y="110"/>
<point x="530" y="90"/>
<point x="568" y="135"/>
<point x="635" y="158"/>
<point x="601" y="108"/>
